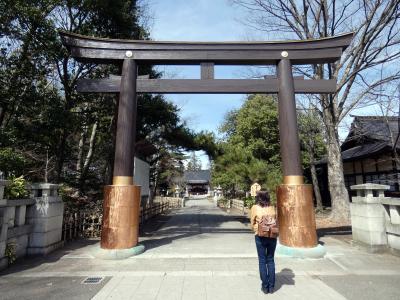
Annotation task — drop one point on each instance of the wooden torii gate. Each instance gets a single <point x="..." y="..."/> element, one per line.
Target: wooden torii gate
<point x="122" y="199"/>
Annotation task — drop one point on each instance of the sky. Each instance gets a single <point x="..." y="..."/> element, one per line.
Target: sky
<point x="200" y="20"/>
<point x="207" y="20"/>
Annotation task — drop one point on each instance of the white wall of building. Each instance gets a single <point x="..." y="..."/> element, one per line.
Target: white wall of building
<point x="141" y="176"/>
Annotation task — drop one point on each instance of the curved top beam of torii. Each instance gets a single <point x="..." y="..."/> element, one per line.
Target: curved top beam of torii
<point x="325" y="50"/>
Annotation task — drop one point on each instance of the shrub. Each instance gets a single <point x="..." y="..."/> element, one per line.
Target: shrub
<point x="249" y="201"/>
<point x="11" y="252"/>
<point x="223" y="202"/>
<point x="16" y="189"/>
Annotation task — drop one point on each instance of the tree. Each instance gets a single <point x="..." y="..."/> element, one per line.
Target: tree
<point x="250" y="150"/>
<point x="56" y="133"/>
<point x="313" y="146"/>
<point x="376" y="42"/>
<point x="194" y="164"/>
<point x="36" y="64"/>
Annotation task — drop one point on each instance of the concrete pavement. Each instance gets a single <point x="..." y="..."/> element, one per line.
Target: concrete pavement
<point x="202" y="252"/>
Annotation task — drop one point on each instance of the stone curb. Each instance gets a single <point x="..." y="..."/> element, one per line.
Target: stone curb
<point x="117" y="254"/>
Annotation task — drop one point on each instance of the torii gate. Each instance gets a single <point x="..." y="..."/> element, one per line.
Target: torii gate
<point x="122" y="199"/>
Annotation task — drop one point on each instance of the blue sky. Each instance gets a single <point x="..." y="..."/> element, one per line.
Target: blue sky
<point x="200" y="20"/>
<point x="207" y="20"/>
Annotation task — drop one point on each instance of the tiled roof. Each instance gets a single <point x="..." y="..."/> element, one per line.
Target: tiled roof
<point x="371" y="129"/>
<point x="369" y="135"/>
<point x="201" y="176"/>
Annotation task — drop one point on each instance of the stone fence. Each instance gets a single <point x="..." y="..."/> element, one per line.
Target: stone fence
<point x="375" y="219"/>
<point x="30" y="226"/>
<point x="173" y="202"/>
<point x="238" y="204"/>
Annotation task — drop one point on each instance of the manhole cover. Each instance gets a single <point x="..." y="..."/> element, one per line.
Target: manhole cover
<point x="92" y="280"/>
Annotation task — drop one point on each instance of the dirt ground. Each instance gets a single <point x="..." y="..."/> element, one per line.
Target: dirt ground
<point x="329" y="227"/>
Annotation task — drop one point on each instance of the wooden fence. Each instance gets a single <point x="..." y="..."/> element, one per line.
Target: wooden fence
<point x="238" y="204"/>
<point x="87" y="223"/>
<point x="174" y="202"/>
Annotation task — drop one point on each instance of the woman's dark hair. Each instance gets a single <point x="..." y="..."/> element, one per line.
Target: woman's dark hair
<point x="262" y="198"/>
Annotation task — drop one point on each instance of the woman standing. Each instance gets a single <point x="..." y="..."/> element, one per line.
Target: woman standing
<point x="263" y="221"/>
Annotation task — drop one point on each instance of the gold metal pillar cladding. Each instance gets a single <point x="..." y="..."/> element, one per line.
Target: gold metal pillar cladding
<point x="296" y="216"/>
<point x="122" y="180"/>
<point x="120" y="228"/>
<point x="293" y="179"/>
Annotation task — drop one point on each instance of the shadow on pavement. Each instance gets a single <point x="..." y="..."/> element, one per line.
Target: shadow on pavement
<point x="158" y="232"/>
<point x="23" y="264"/>
<point x="340" y="230"/>
<point x="286" y="277"/>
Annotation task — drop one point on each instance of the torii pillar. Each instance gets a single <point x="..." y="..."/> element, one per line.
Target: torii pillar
<point x="121" y="200"/>
<point x="120" y="228"/>
<point x="295" y="199"/>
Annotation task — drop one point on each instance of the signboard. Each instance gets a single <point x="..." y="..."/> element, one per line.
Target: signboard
<point x="255" y="187"/>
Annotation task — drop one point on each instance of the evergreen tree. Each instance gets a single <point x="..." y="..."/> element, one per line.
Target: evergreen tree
<point x="250" y="150"/>
<point x="194" y="163"/>
<point x="48" y="131"/>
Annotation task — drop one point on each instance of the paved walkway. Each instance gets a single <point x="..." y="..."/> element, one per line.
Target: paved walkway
<point x="202" y="252"/>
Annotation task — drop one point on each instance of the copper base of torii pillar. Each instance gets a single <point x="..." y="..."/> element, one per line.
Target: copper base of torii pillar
<point x="296" y="213"/>
<point x="121" y="207"/>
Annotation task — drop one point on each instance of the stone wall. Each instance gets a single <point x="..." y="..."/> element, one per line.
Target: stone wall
<point x="392" y="222"/>
<point x="30" y="226"/>
<point x="375" y="219"/>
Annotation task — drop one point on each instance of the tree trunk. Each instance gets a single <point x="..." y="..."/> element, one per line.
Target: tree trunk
<point x="337" y="189"/>
<point x="46" y="173"/>
<point x="89" y="155"/>
<point x="310" y="147"/>
<point x="316" y="186"/>
<point x="60" y="157"/>
<point x="82" y="141"/>
<point x="2" y="114"/>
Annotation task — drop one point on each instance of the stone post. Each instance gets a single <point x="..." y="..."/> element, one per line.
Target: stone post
<point x="392" y="220"/>
<point x="3" y="184"/>
<point x="3" y="225"/>
<point x="46" y="217"/>
<point x="368" y="216"/>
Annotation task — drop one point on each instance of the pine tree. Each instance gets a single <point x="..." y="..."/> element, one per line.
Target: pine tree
<point x="194" y="163"/>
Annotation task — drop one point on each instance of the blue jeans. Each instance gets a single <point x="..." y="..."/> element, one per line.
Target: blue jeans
<point x="266" y="250"/>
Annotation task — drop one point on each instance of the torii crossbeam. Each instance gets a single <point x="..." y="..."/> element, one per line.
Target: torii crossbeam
<point x="121" y="200"/>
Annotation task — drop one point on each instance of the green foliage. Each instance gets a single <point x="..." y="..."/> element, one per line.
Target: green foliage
<point x="311" y="130"/>
<point x="16" y="189"/>
<point x="223" y="202"/>
<point x="194" y="163"/>
<point x="255" y="126"/>
<point x="11" y="162"/>
<point x="273" y="179"/>
<point x="250" y="151"/>
<point x="205" y="140"/>
<point x="48" y="131"/>
<point x="249" y="201"/>
<point x="11" y="252"/>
